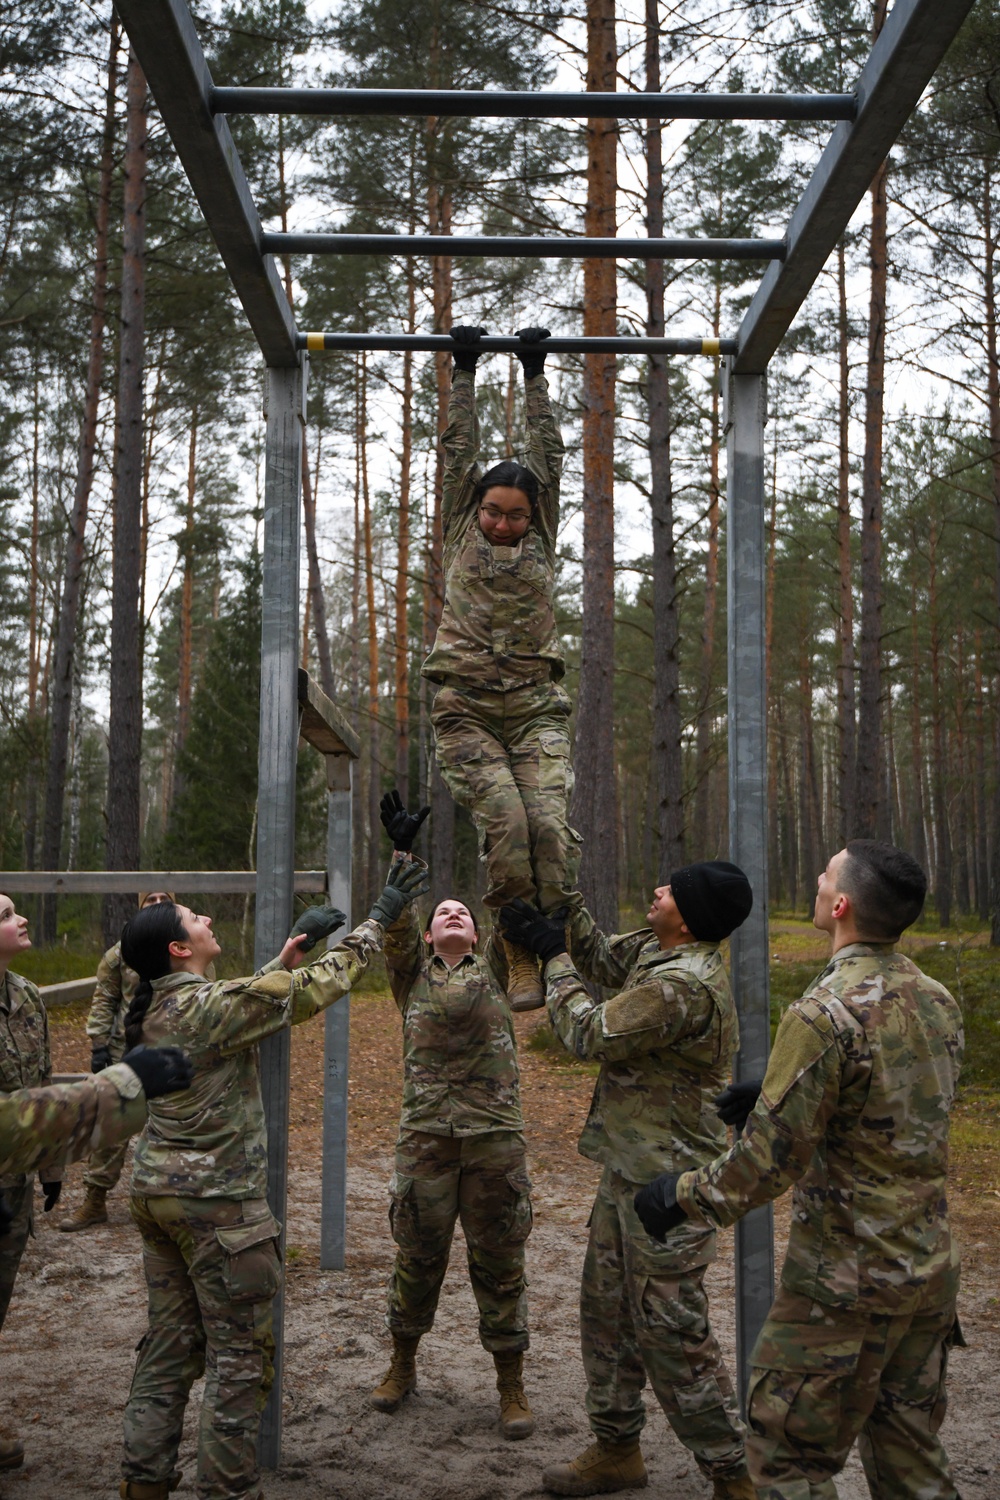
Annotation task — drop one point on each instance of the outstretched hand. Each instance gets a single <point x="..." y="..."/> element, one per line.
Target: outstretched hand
<point x="533" y="359"/>
<point x="734" y="1104"/>
<point x="401" y="826"/>
<point x="464" y="335"/>
<point x="528" y="928"/>
<point x="657" y="1206"/>
<point x="407" y="880"/>
<point x="160" y="1070"/>
<point x="315" y="923"/>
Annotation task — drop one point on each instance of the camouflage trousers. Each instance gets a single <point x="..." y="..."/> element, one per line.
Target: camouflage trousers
<point x="20" y="1200"/>
<point x="483" y="1181"/>
<point x="212" y="1270"/>
<point x="644" y="1315"/>
<point x="823" y="1377"/>
<point x="505" y="757"/>
<point x="105" y="1166"/>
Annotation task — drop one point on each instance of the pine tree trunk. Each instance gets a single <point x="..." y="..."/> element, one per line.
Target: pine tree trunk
<point x="846" y="723"/>
<point x="980" y="797"/>
<point x="184" y="665"/>
<point x="942" y="830"/>
<point x="125" y="721"/>
<point x="594" y="809"/>
<point x="315" y="598"/>
<point x="703" y="757"/>
<point x="868" y="812"/>
<point x="918" y="841"/>
<point x="993" y="396"/>
<point x="402" y="643"/>
<point x="61" y="691"/>
<point x="775" y="870"/>
<point x="374" y="759"/>
<point x="665" y="765"/>
<point x="358" y="800"/>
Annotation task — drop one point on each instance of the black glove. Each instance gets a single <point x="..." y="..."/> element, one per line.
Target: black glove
<point x="406" y="882"/>
<point x="6" y="1217"/>
<point x="317" y="922"/>
<point x="533" y="360"/>
<point x="465" y="334"/>
<point x="100" y="1058"/>
<point x="401" y="826"/>
<point x="160" y="1070"/>
<point x="528" y="928"/>
<point x="657" y="1206"/>
<point x="734" y="1104"/>
<point x="51" y="1191"/>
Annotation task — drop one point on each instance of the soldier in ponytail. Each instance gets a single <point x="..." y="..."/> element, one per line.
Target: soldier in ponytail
<point x="145" y="947"/>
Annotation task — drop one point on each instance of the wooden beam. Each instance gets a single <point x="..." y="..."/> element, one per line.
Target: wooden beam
<point x="321" y="723"/>
<point x="70" y="992"/>
<point x="110" y="882"/>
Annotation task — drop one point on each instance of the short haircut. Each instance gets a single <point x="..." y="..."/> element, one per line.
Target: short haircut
<point x="510" y="476"/>
<point x="886" y="886"/>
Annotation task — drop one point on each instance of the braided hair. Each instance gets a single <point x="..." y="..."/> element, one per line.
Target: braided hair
<point x="145" y="947"/>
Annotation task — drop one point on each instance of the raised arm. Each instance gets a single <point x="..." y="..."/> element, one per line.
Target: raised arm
<point x="658" y="1013"/>
<point x="602" y="959"/>
<point x="460" y="439"/>
<point x="544" y="449"/>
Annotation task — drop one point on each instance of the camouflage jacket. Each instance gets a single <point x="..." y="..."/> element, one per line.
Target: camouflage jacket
<point x="210" y="1141"/>
<point x="665" y="1043"/>
<point x="854" y="1111"/>
<point x="25" y="1060"/>
<point x="113" y="994"/>
<point x="43" y="1129"/>
<point x="498" y="625"/>
<point x="460" y="1073"/>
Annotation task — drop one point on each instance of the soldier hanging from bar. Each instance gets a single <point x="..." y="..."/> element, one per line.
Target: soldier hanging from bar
<point x="500" y="716"/>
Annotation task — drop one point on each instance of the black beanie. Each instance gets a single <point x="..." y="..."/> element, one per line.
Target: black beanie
<point x="713" y="897"/>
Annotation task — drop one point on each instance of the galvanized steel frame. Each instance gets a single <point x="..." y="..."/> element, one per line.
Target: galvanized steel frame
<point x="903" y="59"/>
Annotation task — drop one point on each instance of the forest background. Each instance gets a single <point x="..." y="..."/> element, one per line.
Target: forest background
<point x="130" y="398"/>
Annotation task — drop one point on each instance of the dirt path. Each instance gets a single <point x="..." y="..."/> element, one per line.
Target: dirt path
<point x="79" y="1308"/>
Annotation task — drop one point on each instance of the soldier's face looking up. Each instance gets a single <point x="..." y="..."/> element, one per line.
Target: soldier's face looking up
<point x="195" y="951"/>
<point x="452" y="931"/>
<point x="832" y="905"/>
<point x="665" y="918"/>
<point x="504" y="515"/>
<point x="14" y="937"/>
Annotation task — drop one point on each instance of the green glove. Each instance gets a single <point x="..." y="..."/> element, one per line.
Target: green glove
<point x="532" y="359"/>
<point x="317" y="922"/>
<point x="406" y="882"/>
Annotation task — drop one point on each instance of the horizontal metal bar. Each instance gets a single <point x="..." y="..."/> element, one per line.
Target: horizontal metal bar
<point x="501" y="104"/>
<point x="427" y="343"/>
<point x="915" y="37"/>
<point x="563" y="247"/>
<point x="111" y="882"/>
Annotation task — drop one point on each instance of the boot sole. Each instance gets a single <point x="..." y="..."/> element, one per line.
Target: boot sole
<point x="68" y="1228"/>
<point x="529" y="1004"/>
<point x="591" y="1487"/>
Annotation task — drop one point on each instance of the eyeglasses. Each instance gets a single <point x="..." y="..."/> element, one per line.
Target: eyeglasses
<point x="515" y="517"/>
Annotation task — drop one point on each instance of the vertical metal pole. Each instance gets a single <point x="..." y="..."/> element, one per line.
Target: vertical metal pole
<point x="745" y="405"/>
<point x="279" y="733"/>
<point x="333" y="1219"/>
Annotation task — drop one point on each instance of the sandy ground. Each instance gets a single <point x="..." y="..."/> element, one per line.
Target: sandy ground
<point x="78" y="1311"/>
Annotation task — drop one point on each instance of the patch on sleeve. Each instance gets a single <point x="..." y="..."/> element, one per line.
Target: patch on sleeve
<point x="805" y="1033"/>
<point x="638" y="1009"/>
<point x="277" y="985"/>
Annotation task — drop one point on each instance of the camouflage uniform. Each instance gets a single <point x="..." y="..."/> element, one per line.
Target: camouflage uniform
<point x="665" y="1042"/>
<point x="460" y="1152"/>
<point x="25" y="1062"/>
<point x="854" y="1111"/>
<point x="210" y="1242"/>
<point x="113" y="994"/>
<point x="48" y="1127"/>
<point x="501" y="720"/>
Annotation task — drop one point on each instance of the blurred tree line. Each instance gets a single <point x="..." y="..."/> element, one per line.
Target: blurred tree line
<point x="131" y="441"/>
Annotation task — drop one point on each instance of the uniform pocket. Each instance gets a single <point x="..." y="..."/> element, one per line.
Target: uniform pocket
<point x="251" y="1270"/>
<point x="555" y="770"/>
<point x="402" y="1212"/>
<point x="521" y="1216"/>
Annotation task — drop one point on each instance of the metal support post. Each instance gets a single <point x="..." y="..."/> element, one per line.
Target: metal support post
<point x="746" y="550"/>
<point x="279" y="734"/>
<point x="336" y="1043"/>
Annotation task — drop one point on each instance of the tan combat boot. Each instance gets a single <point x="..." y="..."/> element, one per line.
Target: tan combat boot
<point x="525" y="990"/>
<point x="400" y="1378"/>
<point x="11" y="1450"/>
<point x="93" y="1210"/>
<point x="149" y="1489"/>
<point x="736" y="1487"/>
<point x="516" y="1420"/>
<point x="602" y="1469"/>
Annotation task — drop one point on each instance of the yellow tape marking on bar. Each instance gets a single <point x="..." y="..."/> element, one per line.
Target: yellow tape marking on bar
<point x="710" y="346"/>
<point x="314" y="341"/>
